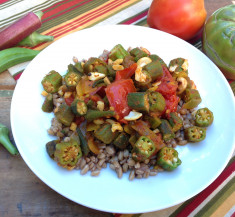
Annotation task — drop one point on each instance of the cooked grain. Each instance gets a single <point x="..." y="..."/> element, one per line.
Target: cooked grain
<point x="119" y="172"/>
<point x="84" y="170"/>
<point x="132" y="175"/>
<point x="95" y="173"/>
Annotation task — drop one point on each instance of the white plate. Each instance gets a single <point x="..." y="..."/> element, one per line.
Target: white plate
<point x="201" y="163"/>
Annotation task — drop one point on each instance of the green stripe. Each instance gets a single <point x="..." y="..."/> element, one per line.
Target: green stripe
<point x="72" y="14"/>
<point x="177" y="211"/>
<point x="9" y="3"/>
<point x="6" y="93"/>
<point x="142" y="22"/>
<point x="35" y="8"/>
<point x="137" y="215"/>
<point x="133" y="16"/>
<point x="231" y="161"/>
<point x="116" y="12"/>
<point x="217" y="200"/>
<point x="79" y="11"/>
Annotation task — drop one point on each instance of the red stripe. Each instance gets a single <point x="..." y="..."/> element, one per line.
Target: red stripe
<point x="86" y="21"/>
<point x="77" y="25"/>
<point x="3" y="1"/>
<point x="64" y="12"/>
<point x="117" y="215"/>
<point x="62" y="9"/>
<point x="233" y="215"/>
<point x="16" y="77"/>
<point x="204" y="194"/>
<point x="134" y="19"/>
<point x="59" y="3"/>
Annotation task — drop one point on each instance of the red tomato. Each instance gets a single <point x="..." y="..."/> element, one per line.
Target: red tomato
<point x="126" y="73"/>
<point x="168" y="89"/>
<point x="117" y="95"/>
<point x="168" y="85"/>
<point x="69" y="100"/>
<point x="171" y="104"/>
<point x="79" y="120"/>
<point x="182" y="18"/>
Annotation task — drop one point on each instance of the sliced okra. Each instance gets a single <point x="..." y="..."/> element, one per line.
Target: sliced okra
<point x="79" y="107"/>
<point x="52" y="81"/>
<point x="138" y="101"/>
<point x="48" y="105"/>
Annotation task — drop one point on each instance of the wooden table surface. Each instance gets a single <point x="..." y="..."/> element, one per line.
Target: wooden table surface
<point x="21" y="192"/>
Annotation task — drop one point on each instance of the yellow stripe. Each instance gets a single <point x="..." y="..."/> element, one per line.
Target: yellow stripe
<point x="85" y="25"/>
<point x="90" y="17"/>
<point x="225" y="206"/>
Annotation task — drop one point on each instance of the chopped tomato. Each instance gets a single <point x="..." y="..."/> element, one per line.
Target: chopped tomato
<point x="168" y="85"/>
<point x="168" y="89"/>
<point x="69" y="100"/>
<point x="126" y="73"/>
<point x="96" y="98"/>
<point x="79" y="120"/>
<point x="171" y="104"/>
<point x="117" y="96"/>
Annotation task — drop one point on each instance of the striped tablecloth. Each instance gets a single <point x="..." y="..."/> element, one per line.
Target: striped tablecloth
<point x="64" y="17"/>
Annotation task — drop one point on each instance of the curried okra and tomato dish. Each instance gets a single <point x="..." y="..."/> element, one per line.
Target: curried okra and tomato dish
<point x="126" y="109"/>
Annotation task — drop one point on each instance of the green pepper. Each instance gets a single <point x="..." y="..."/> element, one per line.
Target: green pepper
<point x="157" y="102"/>
<point x="52" y="81"/>
<point x="105" y="134"/>
<point x="138" y="101"/>
<point x="175" y="121"/>
<point x="137" y="53"/>
<point x="218" y="39"/>
<point x="121" y="141"/>
<point x="191" y="98"/>
<point x="195" y="134"/>
<point x="48" y="105"/>
<point x="67" y="154"/>
<point x="71" y="80"/>
<point x="95" y="114"/>
<point x="143" y="149"/>
<point x="204" y="117"/>
<point x="166" y="130"/>
<point x="118" y="52"/>
<point x="64" y="114"/>
<point x="79" y="107"/>
<point x="93" y="62"/>
<point x="168" y="159"/>
<point x="154" y="69"/>
<point x="83" y="142"/>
